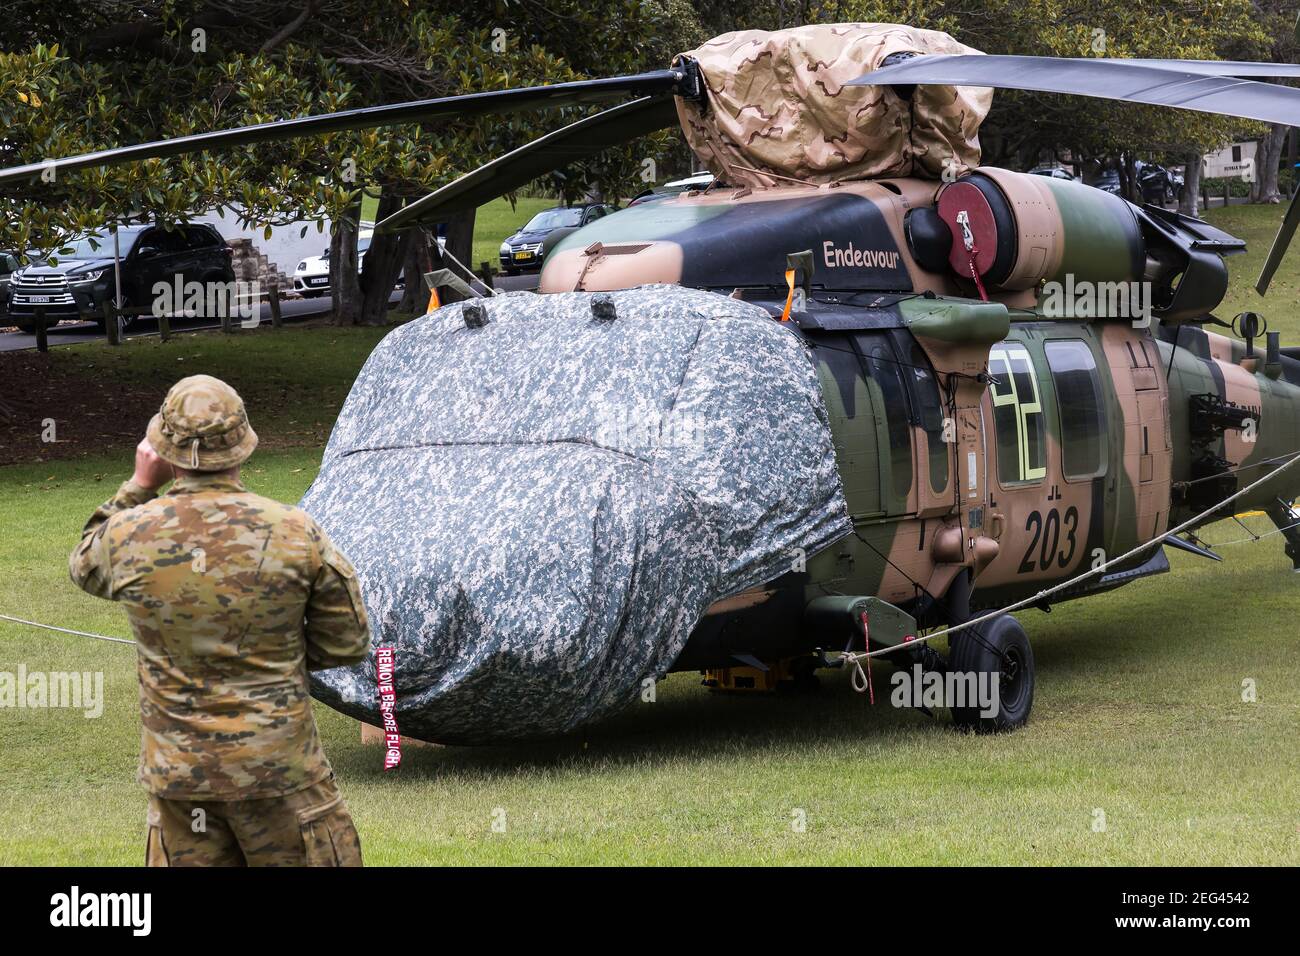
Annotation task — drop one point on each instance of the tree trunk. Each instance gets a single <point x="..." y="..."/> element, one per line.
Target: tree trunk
<point x="345" y="284"/>
<point x="460" y="243"/>
<point x="1189" y="204"/>
<point x="383" y="264"/>
<point x="460" y="236"/>
<point x="417" y="263"/>
<point x="1267" y="157"/>
<point x="1292" y="157"/>
<point x="1128" y="178"/>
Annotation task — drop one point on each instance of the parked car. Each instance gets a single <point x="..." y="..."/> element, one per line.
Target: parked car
<point x="702" y="180"/>
<point x="312" y="276"/>
<point x="1158" y="184"/>
<point x="1108" y="181"/>
<point x="8" y="266"/>
<point x="81" y="278"/>
<point x="526" y="249"/>
<point x="1055" y="172"/>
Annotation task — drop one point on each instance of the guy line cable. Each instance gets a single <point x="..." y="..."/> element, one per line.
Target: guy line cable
<point x="66" y="630"/>
<point x="855" y="657"/>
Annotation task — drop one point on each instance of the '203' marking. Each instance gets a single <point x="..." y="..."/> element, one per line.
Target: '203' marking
<point x="1043" y="548"/>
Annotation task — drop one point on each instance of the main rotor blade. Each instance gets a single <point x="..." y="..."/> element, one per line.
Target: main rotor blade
<point x="470" y="104"/>
<point x="1105" y="79"/>
<point x="1240" y="68"/>
<point x="1285" y="233"/>
<point x="556" y="149"/>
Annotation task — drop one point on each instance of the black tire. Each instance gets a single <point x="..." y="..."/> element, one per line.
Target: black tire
<point x="1001" y="647"/>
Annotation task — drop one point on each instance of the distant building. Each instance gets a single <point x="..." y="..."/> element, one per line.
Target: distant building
<point x="287" y="245"/>
<point x="1237" y="160"/>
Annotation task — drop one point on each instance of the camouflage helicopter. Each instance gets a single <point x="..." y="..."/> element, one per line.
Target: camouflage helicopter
<point x="1017" y="377"/>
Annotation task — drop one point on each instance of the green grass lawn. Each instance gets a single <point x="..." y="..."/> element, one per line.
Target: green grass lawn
<point x="295" y="378"/>
<point x="1139" y="712"/>
<point x="1258" y="225"/>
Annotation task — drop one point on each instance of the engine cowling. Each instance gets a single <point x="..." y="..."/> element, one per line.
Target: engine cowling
<point x="1018" y="230"/>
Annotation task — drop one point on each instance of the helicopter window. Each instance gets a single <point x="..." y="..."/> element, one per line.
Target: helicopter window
<point x="853" y="421"/>
<point x="925" y="393"/>
<point x="1017" y="415"/>
<point x="1078" y="401"/>
<point x="884" y="368"/>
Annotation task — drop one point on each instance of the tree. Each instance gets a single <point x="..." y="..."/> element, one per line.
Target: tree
<point x="86" y="76"/>
<point x="1189" y="201"/>
<point x="1277" y="20"/>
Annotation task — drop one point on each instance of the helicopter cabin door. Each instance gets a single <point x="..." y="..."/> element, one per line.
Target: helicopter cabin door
<point x="1050" y="455"/>
<point x="1139" y="491"/>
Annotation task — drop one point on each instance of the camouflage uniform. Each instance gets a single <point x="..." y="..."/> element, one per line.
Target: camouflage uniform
<point x="233" y="598"/>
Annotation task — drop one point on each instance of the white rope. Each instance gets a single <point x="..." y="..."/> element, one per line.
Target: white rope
<point x="859" y="678"/>
<point x="1253" y="537"/>
<point x="65" y="630"/>
<point x="854" y="657"/>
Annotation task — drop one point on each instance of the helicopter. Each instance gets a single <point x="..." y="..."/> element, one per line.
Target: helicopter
<point x="1017" y="377"/>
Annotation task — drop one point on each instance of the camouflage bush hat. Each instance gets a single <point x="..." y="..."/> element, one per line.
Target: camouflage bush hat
<point x="202" y="426"/>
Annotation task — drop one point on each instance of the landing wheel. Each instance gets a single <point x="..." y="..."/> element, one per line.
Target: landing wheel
<point x="1000" y="648"/>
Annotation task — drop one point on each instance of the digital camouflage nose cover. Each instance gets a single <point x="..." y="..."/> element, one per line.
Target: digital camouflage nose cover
<point x="541" y="507"/>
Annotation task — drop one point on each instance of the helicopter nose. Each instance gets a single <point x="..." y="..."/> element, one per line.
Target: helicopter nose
<point x="520" y="607"/>
<point x="542" y="494"/>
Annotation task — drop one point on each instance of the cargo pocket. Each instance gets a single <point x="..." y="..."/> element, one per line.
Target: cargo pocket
<point x="328" y="836"/>
<point x="155" y="852"/>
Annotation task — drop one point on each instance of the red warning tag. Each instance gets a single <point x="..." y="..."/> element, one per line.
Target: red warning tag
<point x="385" y="665"/>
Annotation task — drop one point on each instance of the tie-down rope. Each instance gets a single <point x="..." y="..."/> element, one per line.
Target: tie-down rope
<point x="855" y="657"/>
<point x="66" y="630"/>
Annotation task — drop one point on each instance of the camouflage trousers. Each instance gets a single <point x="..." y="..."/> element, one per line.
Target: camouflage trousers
<point x="309" y="828"/>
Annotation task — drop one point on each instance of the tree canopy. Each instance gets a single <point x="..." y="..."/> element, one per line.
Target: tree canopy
<point x="79" y="76"/>
<point x="94" y="75"/>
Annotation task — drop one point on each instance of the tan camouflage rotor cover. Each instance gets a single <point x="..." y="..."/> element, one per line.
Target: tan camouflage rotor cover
<point x="778" y="104"/>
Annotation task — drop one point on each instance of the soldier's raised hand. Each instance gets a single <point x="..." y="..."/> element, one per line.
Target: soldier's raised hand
<point x="150" y="470"/>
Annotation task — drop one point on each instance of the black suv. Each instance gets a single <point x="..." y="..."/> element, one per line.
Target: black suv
<point x="528" y="247"/>
<point x="82" y="281"/>
<point x="8" y="266"/>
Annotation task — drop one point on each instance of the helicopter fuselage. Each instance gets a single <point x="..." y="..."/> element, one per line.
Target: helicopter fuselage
<point x="1008" y="405"/>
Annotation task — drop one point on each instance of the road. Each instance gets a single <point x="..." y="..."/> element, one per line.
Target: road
<point x="290" y="310"/>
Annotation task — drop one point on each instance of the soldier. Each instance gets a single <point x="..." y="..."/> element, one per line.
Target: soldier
<point x="233" y="598"/>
